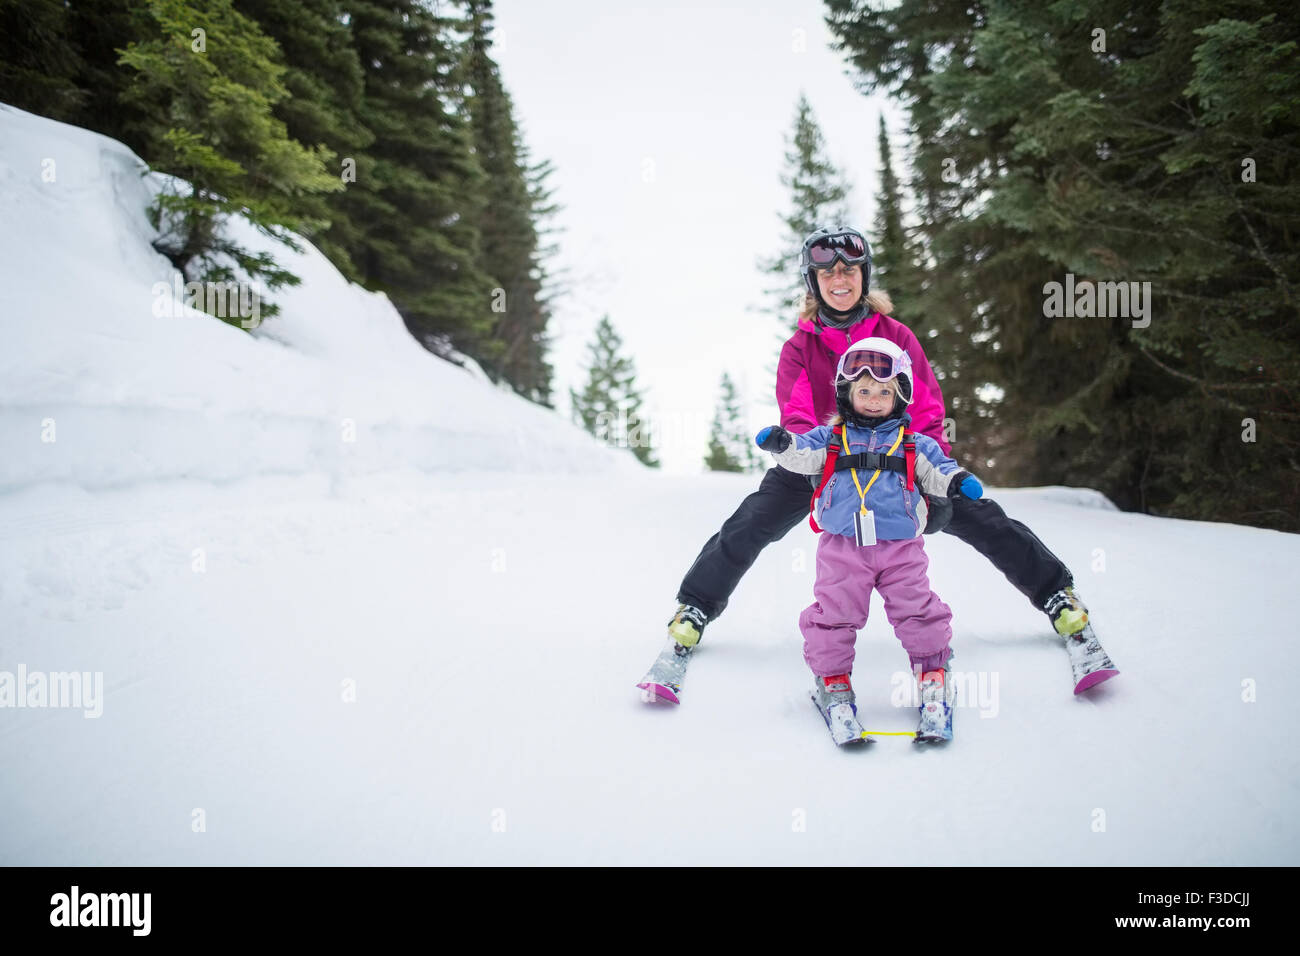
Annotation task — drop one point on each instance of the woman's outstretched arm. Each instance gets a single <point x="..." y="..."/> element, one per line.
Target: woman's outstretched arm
<point x="794" y="395"/>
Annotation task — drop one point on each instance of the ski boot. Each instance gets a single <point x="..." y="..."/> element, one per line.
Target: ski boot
<point x="937" y="698"/>
<point x="687" y="625"/>
<point x="1066" y="612"/>
<point x="834" y="699"/>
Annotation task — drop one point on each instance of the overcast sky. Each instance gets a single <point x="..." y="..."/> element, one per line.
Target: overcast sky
<point x="668" y="125"/>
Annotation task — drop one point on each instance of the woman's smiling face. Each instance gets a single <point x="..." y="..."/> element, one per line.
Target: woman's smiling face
<point x="841" y="287"/>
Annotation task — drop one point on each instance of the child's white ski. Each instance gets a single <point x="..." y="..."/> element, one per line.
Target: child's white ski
<point x="842" y="721"/>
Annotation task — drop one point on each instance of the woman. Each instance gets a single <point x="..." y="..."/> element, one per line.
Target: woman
<point x="840" y="308"/>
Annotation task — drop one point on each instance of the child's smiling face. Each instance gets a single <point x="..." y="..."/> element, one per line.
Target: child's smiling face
<point x="873" y="399"/>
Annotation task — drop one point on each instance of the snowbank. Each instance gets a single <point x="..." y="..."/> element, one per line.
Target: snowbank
<point x="99" y="389"/>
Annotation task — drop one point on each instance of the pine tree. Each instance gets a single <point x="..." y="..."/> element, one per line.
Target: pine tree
<point x="416" y="203"/>
<point x="38" y="62"/>
<point x="609" y="406"/>
<point x="101" y="30"/>
<point x="898" y="264"/>
<point x="515" y="348"/>
<point x="895" y="261"/>
<point x="326" y="85"/>
<point x="730" y="447"/>
<point x="534" y="374"/>
<point x="207" y="79"/>
<point x="818" y="195"/>
<point x="1112" y="144"/>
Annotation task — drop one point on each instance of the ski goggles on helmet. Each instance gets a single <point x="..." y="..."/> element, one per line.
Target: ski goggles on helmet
<point x="881" y="359"/>
<point x="848" y="246"/>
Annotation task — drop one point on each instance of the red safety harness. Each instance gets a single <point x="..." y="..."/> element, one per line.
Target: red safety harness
<point x="833" y="453"/>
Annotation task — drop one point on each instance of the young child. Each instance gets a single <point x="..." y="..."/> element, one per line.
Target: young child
<point x="872" y="509"/>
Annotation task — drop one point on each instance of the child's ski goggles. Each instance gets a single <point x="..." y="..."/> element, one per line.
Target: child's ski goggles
<point x="881" y="359"/>
<point x="847" y="246"/>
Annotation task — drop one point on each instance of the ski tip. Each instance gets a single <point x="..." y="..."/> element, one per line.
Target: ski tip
<point x="1095" y="678"/>
<point x="652" y="693"/>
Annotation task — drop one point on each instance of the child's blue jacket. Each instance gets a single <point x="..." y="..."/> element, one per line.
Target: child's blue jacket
<point x="899" y="514"/>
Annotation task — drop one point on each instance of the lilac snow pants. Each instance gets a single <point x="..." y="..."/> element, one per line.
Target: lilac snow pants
<point x="846" y="576"/>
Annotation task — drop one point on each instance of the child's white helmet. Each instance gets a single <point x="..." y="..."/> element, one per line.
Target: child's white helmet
<point x="879" y="358"/>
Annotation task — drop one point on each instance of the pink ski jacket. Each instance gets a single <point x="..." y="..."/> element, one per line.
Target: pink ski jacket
<point x="805" y="376"/>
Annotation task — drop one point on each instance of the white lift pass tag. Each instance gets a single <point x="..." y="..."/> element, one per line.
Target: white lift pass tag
<point x="864" y="528"/>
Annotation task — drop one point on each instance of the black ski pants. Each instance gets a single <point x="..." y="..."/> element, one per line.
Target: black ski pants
<point x="781" y="502"/>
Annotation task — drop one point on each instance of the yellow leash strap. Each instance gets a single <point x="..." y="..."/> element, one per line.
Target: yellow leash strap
<point x="889" y="733"/>
<point x="862" y="492"/>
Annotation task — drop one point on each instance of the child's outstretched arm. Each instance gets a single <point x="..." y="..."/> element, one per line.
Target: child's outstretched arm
<point x="940" y="475"/>
<point x="802" y="454"/>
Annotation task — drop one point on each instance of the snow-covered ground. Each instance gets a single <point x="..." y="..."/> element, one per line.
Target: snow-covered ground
<point x="420" y="646"/>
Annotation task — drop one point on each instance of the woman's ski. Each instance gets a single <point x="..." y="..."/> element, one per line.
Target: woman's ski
<point x="1089" y="662"/>
<point x="663" y="682"/>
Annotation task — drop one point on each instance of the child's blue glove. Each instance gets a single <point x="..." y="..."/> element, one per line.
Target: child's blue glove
<point x="963" y="482"/>
<point x="773" y="438"/>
